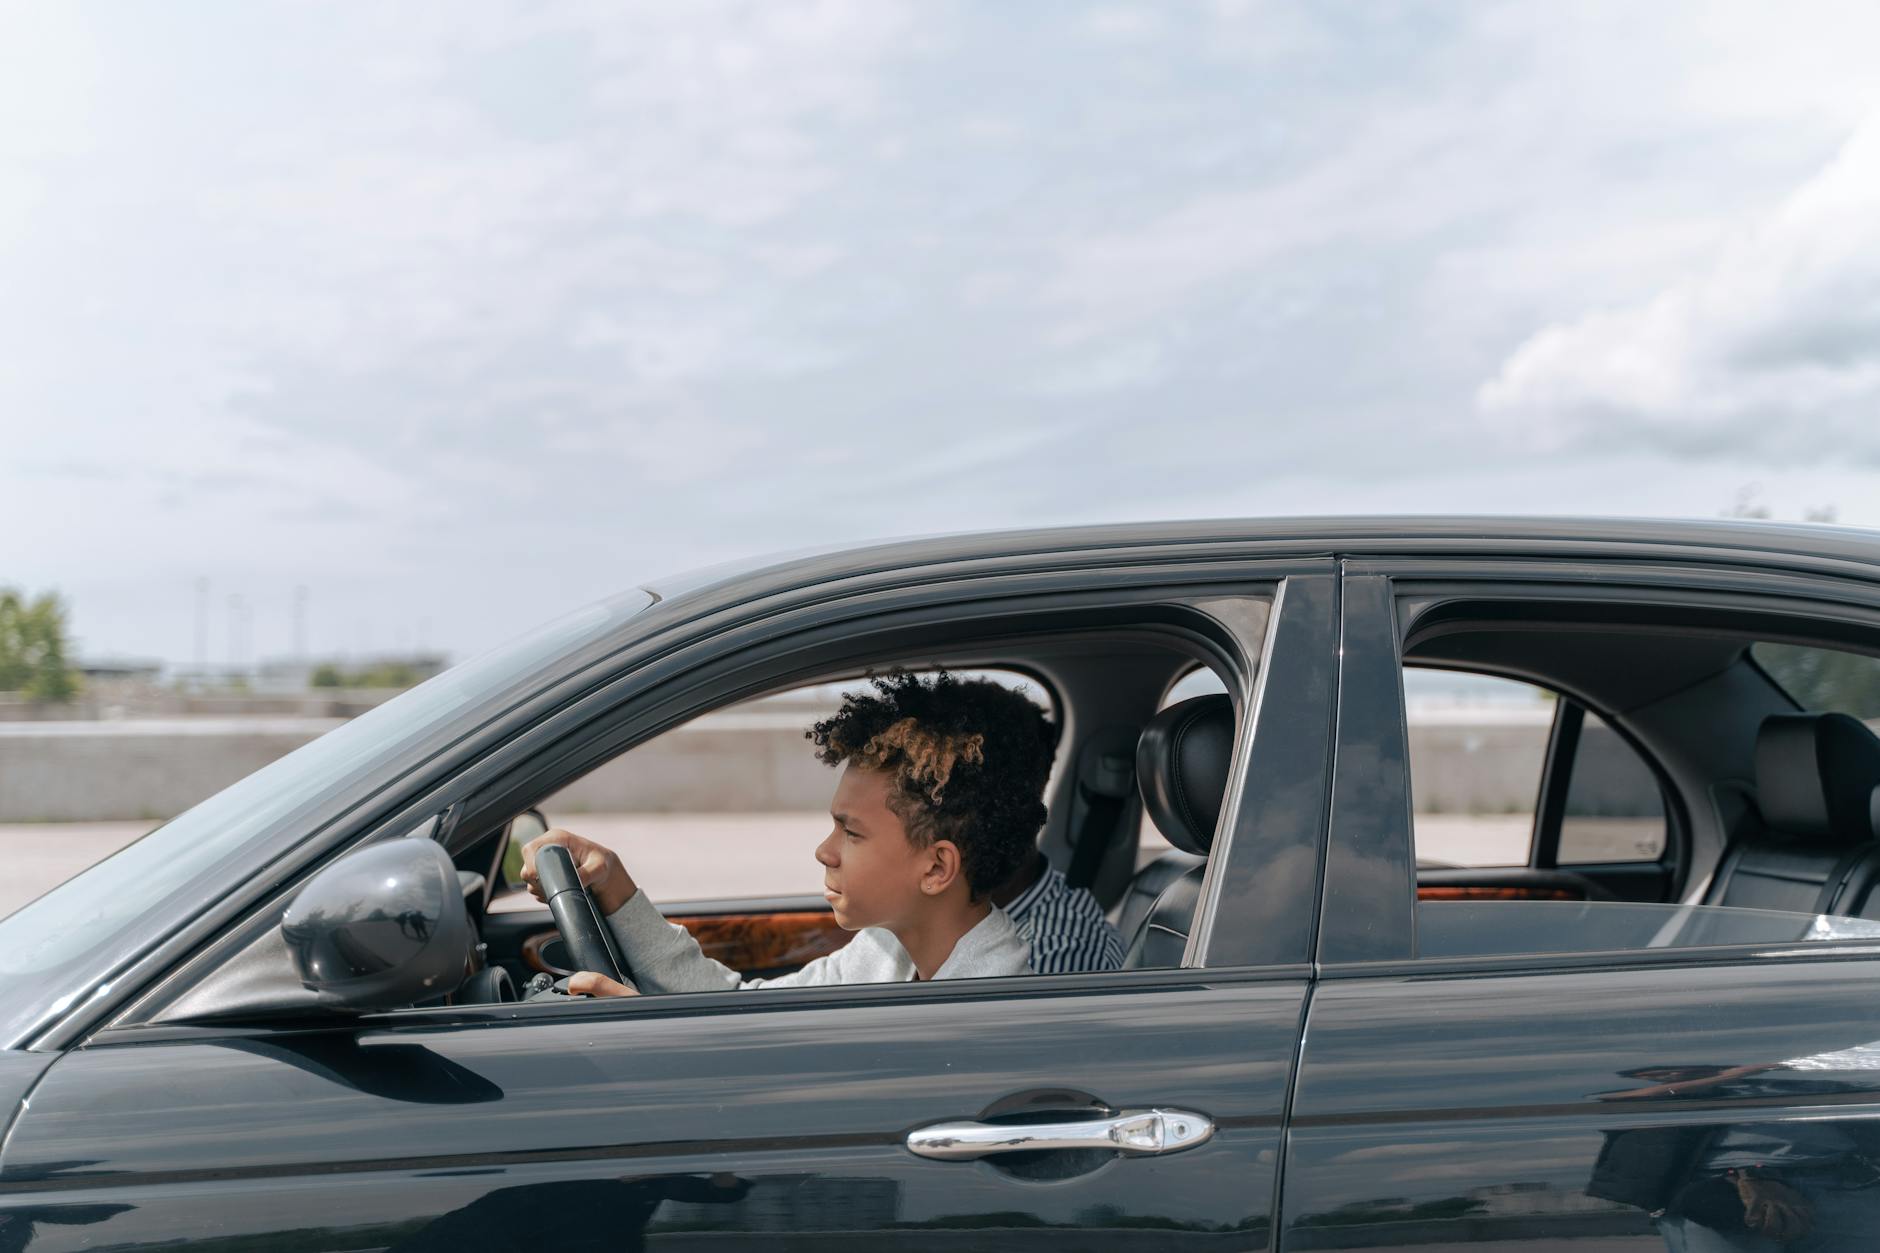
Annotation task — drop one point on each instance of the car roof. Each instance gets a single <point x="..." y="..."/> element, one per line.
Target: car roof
<point x="1830" y="548"/>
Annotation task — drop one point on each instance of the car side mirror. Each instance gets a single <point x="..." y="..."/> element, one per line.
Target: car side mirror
<point x="383" y="927"/>
<point x="524" y="827"/>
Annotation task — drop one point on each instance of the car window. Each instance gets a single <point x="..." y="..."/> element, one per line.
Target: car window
<point x="719" y="822"/>
<point x="1477" y="747"/>
<point x="1823" y="680"/>
<point x="1615" y="810"/>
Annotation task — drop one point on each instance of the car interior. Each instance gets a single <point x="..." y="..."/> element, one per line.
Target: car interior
<point x="1768" y="805"/>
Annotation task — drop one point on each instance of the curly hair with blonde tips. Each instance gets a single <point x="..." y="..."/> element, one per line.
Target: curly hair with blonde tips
<point x="969" y="760"/>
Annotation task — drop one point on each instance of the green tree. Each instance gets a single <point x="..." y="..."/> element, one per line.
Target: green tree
<point x="380" y="674"/>
<point x="386" y="674"/>
<point x="33" y="647"/>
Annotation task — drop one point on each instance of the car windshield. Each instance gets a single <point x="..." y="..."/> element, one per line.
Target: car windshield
<point x="49" y="948"/>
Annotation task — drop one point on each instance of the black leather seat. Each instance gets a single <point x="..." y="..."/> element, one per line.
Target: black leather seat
<point x="1148" y="886"/>
<point x="1181" y="769"/>
<point x="1817" y="779"/>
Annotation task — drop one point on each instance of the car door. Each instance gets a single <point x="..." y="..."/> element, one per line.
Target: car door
<point x="775" y="1120"/>
<point x="1657" y="1090"/>
<point x="600" y="1126"/>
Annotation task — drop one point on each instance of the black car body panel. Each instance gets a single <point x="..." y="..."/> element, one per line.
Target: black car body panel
<point x="1561" y="1110"/>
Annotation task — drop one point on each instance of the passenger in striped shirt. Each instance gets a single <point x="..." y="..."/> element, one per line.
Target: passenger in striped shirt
<point x="1064" y="925"/>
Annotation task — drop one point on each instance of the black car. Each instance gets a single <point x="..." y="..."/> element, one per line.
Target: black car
<point x="286" y="1020"/>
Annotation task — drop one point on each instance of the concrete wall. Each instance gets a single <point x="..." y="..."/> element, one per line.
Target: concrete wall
<point x="730" y="763"/>
<point x="739" y="762"/>
<point x="120" y="702"/>
<point x="1460" y="768"/>
<point x="1494" y="767"/>
<point x="99" y="771"/>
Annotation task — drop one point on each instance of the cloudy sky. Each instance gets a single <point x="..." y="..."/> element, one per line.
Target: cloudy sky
<point x="460" y="314"/>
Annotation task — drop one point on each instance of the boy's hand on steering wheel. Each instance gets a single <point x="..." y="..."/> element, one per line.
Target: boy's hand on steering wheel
<point x="589" y="983"/>
<point x="600" y="868"/>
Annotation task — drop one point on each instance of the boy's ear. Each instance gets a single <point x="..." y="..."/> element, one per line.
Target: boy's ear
<point x="943" y="867"/>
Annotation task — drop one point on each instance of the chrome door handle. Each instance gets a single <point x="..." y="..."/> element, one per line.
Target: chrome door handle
<point x="1133" y="1132"/>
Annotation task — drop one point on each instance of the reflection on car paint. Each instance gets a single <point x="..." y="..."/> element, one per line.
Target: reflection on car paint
<point x="1704" y="1109"/>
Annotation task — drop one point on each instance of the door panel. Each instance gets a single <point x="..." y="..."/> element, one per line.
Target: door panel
<point x="779" y="1124"/>
<point x="1555" y="1111"/>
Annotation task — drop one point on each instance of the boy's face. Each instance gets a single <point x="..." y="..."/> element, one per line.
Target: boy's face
<point x="872" y="872"/>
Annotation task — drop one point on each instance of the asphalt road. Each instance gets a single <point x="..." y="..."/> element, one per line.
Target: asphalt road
<point x="682" y="856"/>
<point x="673" y="856"/>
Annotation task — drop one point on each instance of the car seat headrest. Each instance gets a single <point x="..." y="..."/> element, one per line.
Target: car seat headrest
<point x="1181" y="768"/>
<point x="1817" y="775"/>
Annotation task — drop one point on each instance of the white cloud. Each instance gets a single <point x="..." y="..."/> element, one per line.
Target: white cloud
<point x="47" y="68"/>
<point x="1772" y="345"/>
<point x="1124" y="23"/>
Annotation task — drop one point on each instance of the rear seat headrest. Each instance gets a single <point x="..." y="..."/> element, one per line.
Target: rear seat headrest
<point x="1181" y="768"/>
<point x="1817" y="775"/>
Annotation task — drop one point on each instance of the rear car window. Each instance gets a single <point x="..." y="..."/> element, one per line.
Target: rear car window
<point x="1824" y="680"/>
<point x="1615" y="810"/>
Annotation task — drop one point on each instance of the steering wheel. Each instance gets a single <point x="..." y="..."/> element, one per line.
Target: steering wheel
<point x="587" y="937"/>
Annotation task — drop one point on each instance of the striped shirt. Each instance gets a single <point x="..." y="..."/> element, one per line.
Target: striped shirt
<point x="1065" y="927"/>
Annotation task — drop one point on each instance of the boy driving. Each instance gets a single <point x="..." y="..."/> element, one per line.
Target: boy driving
<point x="939" y="802"/>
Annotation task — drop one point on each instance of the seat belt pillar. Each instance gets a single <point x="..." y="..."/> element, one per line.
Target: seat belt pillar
<point x="1103" y="791"/>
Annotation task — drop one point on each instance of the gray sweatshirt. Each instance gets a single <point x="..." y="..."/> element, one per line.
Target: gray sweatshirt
<point x="665" y="957"/>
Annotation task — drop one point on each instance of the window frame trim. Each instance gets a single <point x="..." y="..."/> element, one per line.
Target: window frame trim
<point x="1419" y="585"/>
